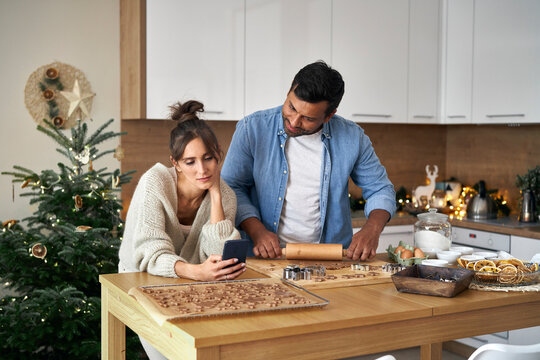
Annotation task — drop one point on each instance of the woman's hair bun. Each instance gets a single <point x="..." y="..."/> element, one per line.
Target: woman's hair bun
<point x="186" y="111"/>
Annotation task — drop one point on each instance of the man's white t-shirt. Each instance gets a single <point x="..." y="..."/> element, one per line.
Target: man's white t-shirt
<point x="300" y="220"/>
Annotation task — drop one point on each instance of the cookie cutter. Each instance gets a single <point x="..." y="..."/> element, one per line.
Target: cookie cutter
<point x="295" y="272"/>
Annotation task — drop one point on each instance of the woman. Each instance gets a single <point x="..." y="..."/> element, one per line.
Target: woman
<point x="180" y="217"/>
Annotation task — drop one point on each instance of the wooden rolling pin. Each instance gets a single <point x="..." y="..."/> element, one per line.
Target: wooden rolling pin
<point x="314" y="251"/>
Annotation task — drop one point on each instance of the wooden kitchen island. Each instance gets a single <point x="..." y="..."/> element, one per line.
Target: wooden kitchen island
<point x="358" y="320"/>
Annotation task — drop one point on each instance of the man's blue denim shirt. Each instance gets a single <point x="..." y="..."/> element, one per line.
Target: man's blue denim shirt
<point x="256" y="169"/>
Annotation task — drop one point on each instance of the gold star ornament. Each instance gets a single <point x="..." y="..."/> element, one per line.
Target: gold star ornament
<point x="75" y="99"/>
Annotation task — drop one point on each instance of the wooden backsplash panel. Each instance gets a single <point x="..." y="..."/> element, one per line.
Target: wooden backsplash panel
<point x="405" y="150"/>
<point x="147" y="142"/>
<point x="493" y="153"/>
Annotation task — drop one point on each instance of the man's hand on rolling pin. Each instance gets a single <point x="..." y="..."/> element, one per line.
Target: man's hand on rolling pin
<point x="266" y="244"/>
<point x="364" y="244"/>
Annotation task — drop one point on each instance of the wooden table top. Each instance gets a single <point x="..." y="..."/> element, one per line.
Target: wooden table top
<point x="348" y="307"/>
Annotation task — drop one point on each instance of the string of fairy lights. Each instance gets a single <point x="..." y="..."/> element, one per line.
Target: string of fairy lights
<point x="456" y="208"/>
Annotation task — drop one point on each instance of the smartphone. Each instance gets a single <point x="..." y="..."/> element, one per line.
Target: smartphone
<point x="236" y="249"/>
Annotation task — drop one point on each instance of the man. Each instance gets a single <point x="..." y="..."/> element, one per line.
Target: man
<point x="289" y="167"/>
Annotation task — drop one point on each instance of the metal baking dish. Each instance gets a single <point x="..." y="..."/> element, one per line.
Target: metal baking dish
<point x="228" y="291"/>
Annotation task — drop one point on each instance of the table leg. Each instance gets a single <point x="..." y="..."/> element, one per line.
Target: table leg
<point x="431" y="351"/>
<point x="113" y="331"/>
<point x="210" y="353"/>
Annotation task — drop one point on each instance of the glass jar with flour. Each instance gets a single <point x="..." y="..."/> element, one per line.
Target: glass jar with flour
<point x="432" y="231"/>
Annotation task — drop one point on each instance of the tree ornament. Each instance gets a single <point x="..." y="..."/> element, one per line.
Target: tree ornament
<point x="82" y="228"/>
<point x="78" y="202"/>
<point x="9" y="223"/>
<point x="75" y="98"/>
<point x="39" y="250"/>
<point x="115" y="181"/>
<point x="25" y="183"/>
<point x="84" y="156"/>
<point x="114" y="231"/>
<point x="119" y="153"/>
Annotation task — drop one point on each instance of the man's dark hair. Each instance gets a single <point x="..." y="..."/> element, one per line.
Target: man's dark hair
<point x="318" y="82"/>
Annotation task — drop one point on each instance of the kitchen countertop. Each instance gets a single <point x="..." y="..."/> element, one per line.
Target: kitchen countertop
<point x="509" y="225"/>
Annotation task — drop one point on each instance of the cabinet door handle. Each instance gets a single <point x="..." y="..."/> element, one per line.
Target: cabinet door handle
<point x="213" y="112"/>
<point x="423" y="116"/>
<point x="504" y="115"/>
<point x="456" y="116"/>
<point x="373" y="115"/>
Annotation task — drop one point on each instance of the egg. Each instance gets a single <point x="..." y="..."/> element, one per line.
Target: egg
<point x="399" y="248"/>
<point x="406" y="254"/>
<point x="419" y="253"/>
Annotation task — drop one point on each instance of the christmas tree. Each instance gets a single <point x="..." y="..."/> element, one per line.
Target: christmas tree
<point x="52" y="263"/>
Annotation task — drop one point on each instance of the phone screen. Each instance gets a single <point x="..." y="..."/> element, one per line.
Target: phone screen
<point x="236" y="249"/>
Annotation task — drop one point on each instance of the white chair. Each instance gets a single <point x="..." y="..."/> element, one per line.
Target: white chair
<point x="386" y="357"/>
<point x="506" y="352"/>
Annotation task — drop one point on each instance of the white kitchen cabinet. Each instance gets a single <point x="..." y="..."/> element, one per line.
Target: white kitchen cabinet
<point x="456" y="61"/>
<point x="520" y="247"/>
<point x="370" y="50"/>
<point x="424" y="62"/>
<point x="281" y="38"/>
<point x="392" y="235"/>
<point x="195" y="50"/>
<point x="506" y="77"/>
<point x="524" y="248"/>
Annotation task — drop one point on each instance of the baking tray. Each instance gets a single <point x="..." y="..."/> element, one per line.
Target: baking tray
<point x="216" y="298"/>
<point x="432" y="280"/>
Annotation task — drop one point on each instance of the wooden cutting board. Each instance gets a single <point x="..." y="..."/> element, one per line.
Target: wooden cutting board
<point x="338" y="274"/>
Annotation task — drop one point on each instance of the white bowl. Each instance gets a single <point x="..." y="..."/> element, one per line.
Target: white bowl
<point x="431" y="252"/>
<point x="464" y="250"/>
<point x="470" y="258"/>
<point x="450" y="256"/>
<point x="485" y="254"/>
<point x="435" y="262"/>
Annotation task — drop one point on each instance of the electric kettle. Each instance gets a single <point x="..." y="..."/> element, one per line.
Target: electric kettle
<point x="481" y="206"/>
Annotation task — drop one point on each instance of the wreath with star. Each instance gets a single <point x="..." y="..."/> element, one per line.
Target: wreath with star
<point x="58" y="93"/>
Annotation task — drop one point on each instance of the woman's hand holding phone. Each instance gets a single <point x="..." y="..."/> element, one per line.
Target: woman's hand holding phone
<point x="213" y="269"/>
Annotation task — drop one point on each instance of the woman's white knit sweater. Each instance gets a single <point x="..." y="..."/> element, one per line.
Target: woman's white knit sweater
<point x="153" y="240"/>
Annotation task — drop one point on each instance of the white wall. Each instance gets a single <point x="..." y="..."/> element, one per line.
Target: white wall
<point x="81" y="33"/>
